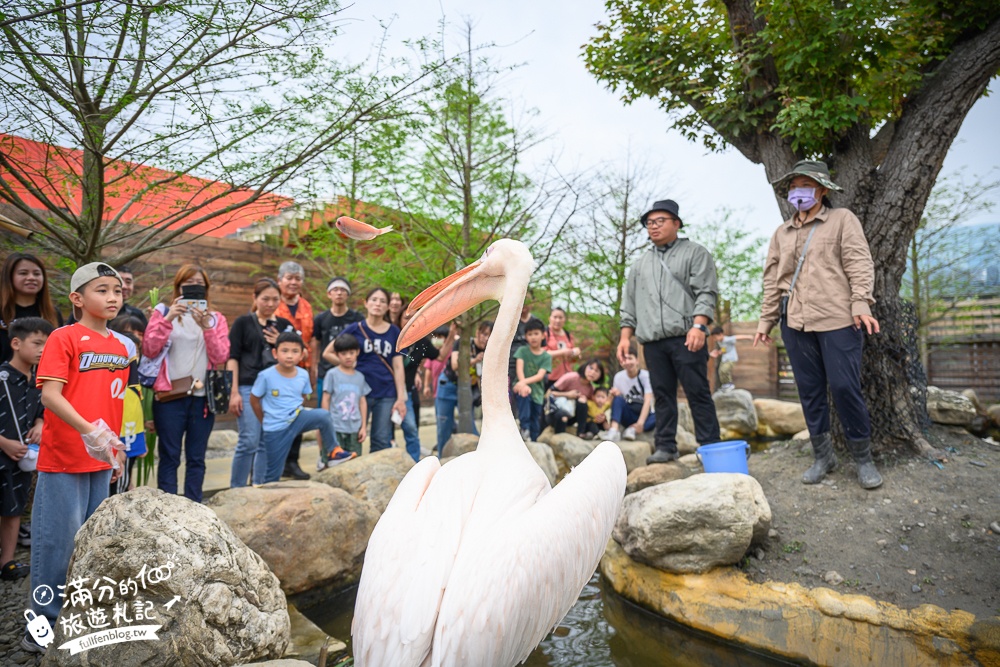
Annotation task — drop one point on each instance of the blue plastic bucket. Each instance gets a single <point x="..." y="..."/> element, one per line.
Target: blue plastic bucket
<point x="728" y="456"/>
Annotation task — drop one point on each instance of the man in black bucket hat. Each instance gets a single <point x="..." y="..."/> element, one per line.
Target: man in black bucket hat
<point x="668" y="303"/>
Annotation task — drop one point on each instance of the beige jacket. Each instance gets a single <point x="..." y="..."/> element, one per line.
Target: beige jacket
<point x="836" y="280"/>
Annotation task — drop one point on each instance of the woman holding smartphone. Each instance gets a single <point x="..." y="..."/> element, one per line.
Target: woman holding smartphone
<point x="190" y="338"/>
<point x="251" y="341"/>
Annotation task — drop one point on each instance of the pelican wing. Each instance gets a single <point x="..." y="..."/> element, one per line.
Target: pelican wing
<point x="512" y="587"/>
<point x="408" y="560"/>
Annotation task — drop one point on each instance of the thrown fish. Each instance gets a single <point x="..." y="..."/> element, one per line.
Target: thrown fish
<point x="358" y="230"/>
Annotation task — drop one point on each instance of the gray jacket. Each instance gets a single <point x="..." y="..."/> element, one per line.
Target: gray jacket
<point x="659" y="306"/>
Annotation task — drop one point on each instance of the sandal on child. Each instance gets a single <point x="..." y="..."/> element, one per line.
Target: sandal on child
<point x="12" y="570"/>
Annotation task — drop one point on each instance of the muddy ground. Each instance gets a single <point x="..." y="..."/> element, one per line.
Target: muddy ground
<point x="923" y="537"/>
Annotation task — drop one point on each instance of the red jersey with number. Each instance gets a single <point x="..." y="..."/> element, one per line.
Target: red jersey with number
<point x="95" y="372"/>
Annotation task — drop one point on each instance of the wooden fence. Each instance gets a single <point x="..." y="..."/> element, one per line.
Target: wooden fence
<point x="972" y="364"/>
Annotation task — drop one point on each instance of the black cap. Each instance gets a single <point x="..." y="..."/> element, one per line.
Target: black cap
<point x="667" y="205"/>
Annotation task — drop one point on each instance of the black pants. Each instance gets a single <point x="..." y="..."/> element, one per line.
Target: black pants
<point x="670" y="362"/>
<point x="579" y="418"/>
<point x="829" y="357"/>
<point x="293" y="453"/>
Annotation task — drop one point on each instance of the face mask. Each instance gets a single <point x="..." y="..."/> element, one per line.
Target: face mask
<point x="437" y="342"/>
<point x="802" y="198"/>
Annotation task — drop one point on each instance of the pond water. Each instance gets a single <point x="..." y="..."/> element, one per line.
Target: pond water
<point x="602" y="629"/>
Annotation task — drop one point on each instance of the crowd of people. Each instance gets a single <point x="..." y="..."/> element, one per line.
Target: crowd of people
<point x="112" y="375"/>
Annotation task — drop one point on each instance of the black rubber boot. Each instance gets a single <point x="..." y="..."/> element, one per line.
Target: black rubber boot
<point x="868" y="475"/>
<point x="662" y="456"/>
<point x="292" y="468"/>
<point x="826" y="460"/>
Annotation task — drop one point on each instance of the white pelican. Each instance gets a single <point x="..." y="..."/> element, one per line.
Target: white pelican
<point x="475" y="562"/>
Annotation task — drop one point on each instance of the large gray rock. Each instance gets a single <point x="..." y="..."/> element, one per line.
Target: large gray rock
<point x="460" y="443"/>
<point x="949" y="407"/>
<point x="223" y="440"/>
<point x="227" y="608"/>
<point x="310" y="534"/>
<point x="545" y="437"/>
<point x="782" y="417"/>
<point x="693" y="524"/>
<point x="647" y="476"/>
<point x="974" y="397"/>
<point x="684" y="417"/>
<point x="994" y="413"/>
<point x="686" y="442"/>
<point x="635" y="453"/>
<point x="372" y="478"/>
<point x="545" y="459"/>
<point x="570" y="450"/>
<point x="736" y="411"/>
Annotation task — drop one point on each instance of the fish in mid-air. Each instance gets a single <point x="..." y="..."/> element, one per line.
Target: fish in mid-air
<point x="358" y="230"/>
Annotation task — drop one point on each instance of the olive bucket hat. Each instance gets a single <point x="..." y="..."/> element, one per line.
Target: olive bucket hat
<point x="814" y="169"/>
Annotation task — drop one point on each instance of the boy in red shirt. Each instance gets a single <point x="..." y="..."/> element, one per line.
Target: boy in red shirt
<point x="83" y="374"/>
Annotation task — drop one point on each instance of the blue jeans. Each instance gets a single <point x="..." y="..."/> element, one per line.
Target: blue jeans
<point x="380" y="422"/>
<point x="530" y="415"/>
<point x="248" y="445"/>
<point x="185" y="420"/>
<point x="63" y="501"/>
<point x="444" y="407"/>
<point x="411" y="431"/>
<point x="277" y="443"/>
<point x="623" y="413"/>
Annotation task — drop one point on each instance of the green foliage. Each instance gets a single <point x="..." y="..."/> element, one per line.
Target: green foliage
<point x="243" y="95"/>
<point x="587" y="274"/>
<point x="814" y="70"/>
<point x="739" y="263"/>
<point x="794" y="546"/>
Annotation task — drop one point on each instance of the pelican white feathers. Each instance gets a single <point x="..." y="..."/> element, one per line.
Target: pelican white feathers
<point x="473" y="563"/>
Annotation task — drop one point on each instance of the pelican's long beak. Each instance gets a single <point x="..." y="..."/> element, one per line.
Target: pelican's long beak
<point x="445" y="300"/>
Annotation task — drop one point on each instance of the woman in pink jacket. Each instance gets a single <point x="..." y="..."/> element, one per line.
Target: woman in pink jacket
<point x="190" y="340"/>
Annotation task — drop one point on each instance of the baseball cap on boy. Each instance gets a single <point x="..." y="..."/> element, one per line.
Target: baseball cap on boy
<point x="89" y="272"/>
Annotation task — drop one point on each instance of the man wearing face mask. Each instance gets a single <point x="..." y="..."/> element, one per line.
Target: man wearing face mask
<point x="818" y="281"/>
<point x="668" y="303"/>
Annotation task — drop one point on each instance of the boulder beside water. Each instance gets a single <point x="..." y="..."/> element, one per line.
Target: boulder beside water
<point x="736" y="412"/>
<point x="693" y="524"/>
<point x="371" y="478"/>
<point x="150" y="558"/>
<point x="310" y="534"/>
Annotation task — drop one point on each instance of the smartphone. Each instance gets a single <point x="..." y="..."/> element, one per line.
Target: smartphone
<point x="194" y="296"/>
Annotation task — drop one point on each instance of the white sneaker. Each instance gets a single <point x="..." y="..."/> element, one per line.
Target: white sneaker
<point x="320" y="466"/>
<point x="525" y="434"/>
<point x="629" y="433"/>
<point x="611" y="434"/>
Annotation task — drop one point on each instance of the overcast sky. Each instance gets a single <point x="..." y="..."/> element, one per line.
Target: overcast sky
<point x="589" y="125"/>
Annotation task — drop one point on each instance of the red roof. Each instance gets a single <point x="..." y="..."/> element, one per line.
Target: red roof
<point x="55" y="172"/>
